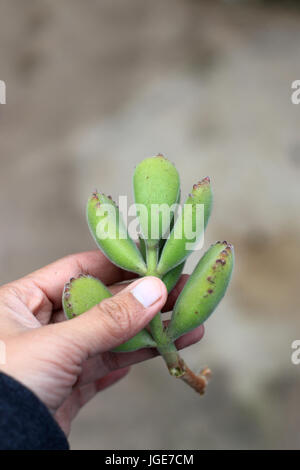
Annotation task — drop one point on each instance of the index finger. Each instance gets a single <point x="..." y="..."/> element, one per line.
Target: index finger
<point x="52" y="278"/>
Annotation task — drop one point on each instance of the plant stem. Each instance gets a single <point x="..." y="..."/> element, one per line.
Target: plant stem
<point x="152" y="259"/>
<point x="156" y="325"/>
<point x="165" y="345"/>
<point x="178" y="368"/>
<point x="197" y="382"/>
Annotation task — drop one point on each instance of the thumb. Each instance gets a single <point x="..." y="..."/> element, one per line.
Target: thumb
<point x="116" y="319"/>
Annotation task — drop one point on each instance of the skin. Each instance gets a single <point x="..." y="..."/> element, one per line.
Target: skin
<point x="83" y="293"/>
<point x="66" y="363"/>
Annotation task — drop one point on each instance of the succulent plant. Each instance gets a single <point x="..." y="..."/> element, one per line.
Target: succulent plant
<point x="162" y="251"/>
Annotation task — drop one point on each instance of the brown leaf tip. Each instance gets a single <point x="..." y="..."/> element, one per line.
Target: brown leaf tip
<point x="95" y="194"/>
<point x="203" y="182"/>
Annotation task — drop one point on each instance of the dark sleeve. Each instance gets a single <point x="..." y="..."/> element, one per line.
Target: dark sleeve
<point x="25" y="422"/>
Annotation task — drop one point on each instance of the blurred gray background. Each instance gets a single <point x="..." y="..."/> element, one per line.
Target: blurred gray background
<point x="95" y="86"/>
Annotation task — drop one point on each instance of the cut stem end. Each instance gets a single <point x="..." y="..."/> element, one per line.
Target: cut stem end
<point x="178" y="368"/>
<point x="197" y="382"/>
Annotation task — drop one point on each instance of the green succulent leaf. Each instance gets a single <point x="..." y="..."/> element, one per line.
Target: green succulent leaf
<point x="83" y="293"/>
<point x="141" y="340"/>
<point x="163" y="240"/>
<point x="111" y="235"/>
<point x="172" y="277"/>
<point x="203" y="291"/>
<point x="143" y="248"/>
<point x="178" y="246"/>
<point x="156" y="188"/>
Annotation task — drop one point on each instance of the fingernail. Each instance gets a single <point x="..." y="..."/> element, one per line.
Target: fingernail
<point x="148" y="291"/>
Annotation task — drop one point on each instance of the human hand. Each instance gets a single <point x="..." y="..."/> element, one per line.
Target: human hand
<point x="65" y="363"/>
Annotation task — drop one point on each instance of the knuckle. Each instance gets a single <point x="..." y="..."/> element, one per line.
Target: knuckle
<point x="117" y="315"/>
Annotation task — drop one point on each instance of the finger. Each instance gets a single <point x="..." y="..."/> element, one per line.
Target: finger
<point x="58" y="316"/>
<point x="52" y="278"/>
<point x="116" y="288"/>
<point x="190" y="338"/>
<point x="172" y="297"/>
<point x="102" y="364"/>
<point x="82" y="395"/>
<point x="115" y="319"/>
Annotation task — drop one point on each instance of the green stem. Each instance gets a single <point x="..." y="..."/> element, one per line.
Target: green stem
<point x="172" y="359"/>
<point x="157" y="328"/>
<point x="164" y="343"/>
<point x="152" y="260"/>
<point x="156" y="324"/>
